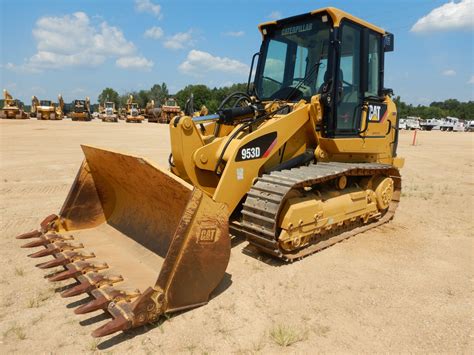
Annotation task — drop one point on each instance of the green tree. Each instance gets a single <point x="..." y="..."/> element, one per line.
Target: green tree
<point x="202" y="95"/>
<point x="159" y="93"/>
<point x="109" y="94"/>
<point x="142" y="97"/>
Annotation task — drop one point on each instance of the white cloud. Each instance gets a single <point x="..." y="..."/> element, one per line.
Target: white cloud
<point x="154" y="32"/>
<point x="199" y="62"/>
<point x="234" y="33"/>
<point x="450" y="16"/>
<point x="179" y="40"/>
<point x="471" y="80"/>
<point x="134" y="63"/>
<point x="275" y="15"/>
<point x="449" y="72"/>
<point x="73" y="40"/>
<point x="149" y="7"/>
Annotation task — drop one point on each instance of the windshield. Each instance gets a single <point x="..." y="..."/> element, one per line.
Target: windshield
<point x="109" y="105"/>
<point x="45" y="103"/>
<point x="290" y="53"/>
<point x="80" y="103"/>
<point x="170" y="103"/>
<point x="134" y="106"/>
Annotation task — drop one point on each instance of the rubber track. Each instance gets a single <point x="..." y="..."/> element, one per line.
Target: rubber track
<point x="267" y="196"/>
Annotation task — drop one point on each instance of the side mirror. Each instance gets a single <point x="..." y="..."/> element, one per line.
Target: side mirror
<point x="388" y="42"/>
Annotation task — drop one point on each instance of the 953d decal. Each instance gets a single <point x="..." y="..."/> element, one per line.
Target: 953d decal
<point x="257" y="148"/>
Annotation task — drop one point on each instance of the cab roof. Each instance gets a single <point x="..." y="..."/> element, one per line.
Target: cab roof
<point x="336" y="15"/>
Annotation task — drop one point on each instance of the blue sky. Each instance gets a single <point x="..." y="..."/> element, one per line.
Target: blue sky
<point x="79" y="47"/>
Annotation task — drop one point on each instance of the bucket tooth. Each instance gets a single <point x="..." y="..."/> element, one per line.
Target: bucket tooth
<point x="55" y="248"/>
<point x="83" y="287"/>
<point x="48" y="221"/>
<point x="101" y="302"/>
<point x="104" y="296"/>
<point x="68" y="274"/>
<point x="115" y="325"/>
<point x="29" y="235"/>
<point x="91" y="282"/>
<point x="45" y="252"/>
<point x="59" y="261"/>
<point x="36" y="243"/>
<point x="65" y="258"/>
<point x="76" y="269"/>
<point x="47" y="239"/>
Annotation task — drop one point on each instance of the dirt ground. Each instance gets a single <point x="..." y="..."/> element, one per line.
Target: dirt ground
<point x="404" y="287"/>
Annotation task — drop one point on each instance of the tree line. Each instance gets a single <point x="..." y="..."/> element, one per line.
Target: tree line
<point x="202" y="95"/>
<point x="437" y="109"/>
<point x="211" y="98"/>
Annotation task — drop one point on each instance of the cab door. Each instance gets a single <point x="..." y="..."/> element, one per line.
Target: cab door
<point x="363" y="117"/>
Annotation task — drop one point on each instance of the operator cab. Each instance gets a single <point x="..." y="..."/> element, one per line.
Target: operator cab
<point x="327" y="52"/>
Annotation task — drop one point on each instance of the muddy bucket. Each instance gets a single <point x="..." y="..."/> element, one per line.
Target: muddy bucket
<point x="140" y="240"/>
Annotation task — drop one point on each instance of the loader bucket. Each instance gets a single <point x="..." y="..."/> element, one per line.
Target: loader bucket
<point x="139" y="240"/>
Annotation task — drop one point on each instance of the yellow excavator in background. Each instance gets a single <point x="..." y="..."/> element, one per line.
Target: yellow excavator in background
<point x="46" y="110"/>
<point x="81" y="110"/>
<point x="12" y="108"/>
<point x="304" y="159"/>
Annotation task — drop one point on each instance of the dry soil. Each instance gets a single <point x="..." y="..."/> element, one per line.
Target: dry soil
<point x="404" y="287"/>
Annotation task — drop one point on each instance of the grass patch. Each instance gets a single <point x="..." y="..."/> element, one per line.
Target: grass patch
<point x="17" y="331"/>
<point x="285" y="335"/>
<point x="93" y="345"/>
<point x="38" y="299"/>
<point x="19" y="271"/>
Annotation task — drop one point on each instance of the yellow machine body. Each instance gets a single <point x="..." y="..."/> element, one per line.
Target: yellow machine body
<point x="306" y="159"/>
<point x="81" y="110"/>
<point x="11" y="108"/>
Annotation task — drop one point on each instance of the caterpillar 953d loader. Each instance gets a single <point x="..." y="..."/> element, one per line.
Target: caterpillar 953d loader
<point x="12" y="108"/>
<point x="303" y="160"/>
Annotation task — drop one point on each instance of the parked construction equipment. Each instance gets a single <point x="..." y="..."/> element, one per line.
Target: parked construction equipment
<point x="81" y="110"/>
<point x="132" y="111"/>
<point x="305" y="159"/>
<point x="152" y="113"/>
<point x="12" y="109"/>
<point x="169" y="110"/>
<point x="108" y="113"/>
<point x="46" y="110"/>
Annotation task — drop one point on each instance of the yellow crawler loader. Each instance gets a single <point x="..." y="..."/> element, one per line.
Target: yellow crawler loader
<point x="12" y="108"/>
<point x="302" y="160"/>
<point x="81" y="110"/>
